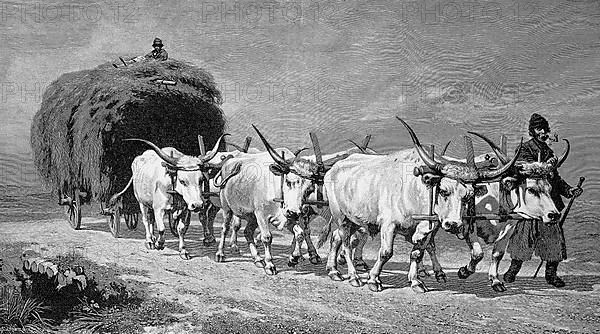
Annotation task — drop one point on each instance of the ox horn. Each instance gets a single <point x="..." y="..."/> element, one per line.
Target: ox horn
<point x="445" y="148"/>
<point x="490" y="175"/>
<point x="563" y="157"/>
<point x="362" y="150"/>
<point x="501" y="156"/>
<point x="424" y="156"/>
<point x="161" y="154"/>
<point x="276" y="157"/>
<point x="209" y="155"/>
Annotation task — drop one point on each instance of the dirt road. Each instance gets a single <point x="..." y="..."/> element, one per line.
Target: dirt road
<point x="237" y="297"/>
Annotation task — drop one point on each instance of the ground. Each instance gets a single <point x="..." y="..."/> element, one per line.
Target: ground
<point x="237" y="297"/>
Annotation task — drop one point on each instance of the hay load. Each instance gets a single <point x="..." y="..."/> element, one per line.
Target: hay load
<point x="76" y="136"/>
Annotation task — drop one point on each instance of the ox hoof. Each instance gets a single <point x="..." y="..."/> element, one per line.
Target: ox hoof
<point x="422" y="273"/>
<point x="219" y="257"/>
<point x="315" y="259"/>
<point x="208" y="241"/>
<point x="233" y="249"/>
<point x="294" y="260"/>
<point x="464" y="272"/>
<point x="184" y="255"/>
<point x="498" y="286"/>
<point x="335" y="276"/>
<point x="375" y="286"/>
<point x="419" y="287"/>
<point x="149" y="245"/>
<point x="356" y="282"/>
<point x="260" y="263"/>
<point x="341" y="261"/>
<point x="440" y="277"/>
<point x="361" y="265"/>
<point x="271" y="271"/>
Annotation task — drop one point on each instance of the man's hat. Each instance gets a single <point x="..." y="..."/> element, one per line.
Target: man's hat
<point x="537" y="121"/>
<point x="157" y="42"/>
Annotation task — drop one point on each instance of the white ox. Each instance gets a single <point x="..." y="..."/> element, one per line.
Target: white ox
<point x="248" y="190"/>
<point x="526" y="191"/>
<point x="366" y="190"/>
<point x="152" y="183"/>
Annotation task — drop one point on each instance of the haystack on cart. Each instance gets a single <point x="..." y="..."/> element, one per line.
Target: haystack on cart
<point x="77" y="135"/>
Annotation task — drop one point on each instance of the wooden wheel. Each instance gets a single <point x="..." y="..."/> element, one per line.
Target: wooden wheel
<point x="184" y="216"/>
<point x="114" y="220"/>
<point x="73" y="210"/>
<point x="132" y="220"/>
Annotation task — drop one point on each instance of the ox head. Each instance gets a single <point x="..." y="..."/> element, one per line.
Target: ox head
<point x="453" y="182"/>
<point x="529" y="185"/>
<point x="188" y="171"/>
<point x="297" y="181"/>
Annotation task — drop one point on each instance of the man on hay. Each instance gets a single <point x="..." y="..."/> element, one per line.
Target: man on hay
<point x="547" y="241"/>
<point x="158" y="53"/>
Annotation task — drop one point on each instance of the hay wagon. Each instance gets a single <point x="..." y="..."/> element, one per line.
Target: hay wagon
<point x="77" y="135"/>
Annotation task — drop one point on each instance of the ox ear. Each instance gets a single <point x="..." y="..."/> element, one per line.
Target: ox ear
<point x="431" y="179"/>
<point x="278" y="169"/>
<point x="480" y="190"/>
<point x="510" y="182"/>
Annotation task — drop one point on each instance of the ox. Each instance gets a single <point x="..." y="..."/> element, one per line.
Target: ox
<point x="248" y="191"/>
<point x="526" y="191"/>
<point x="152" y="181"/>
<point x="300" y="228"/>
<point x="367" y="190"/>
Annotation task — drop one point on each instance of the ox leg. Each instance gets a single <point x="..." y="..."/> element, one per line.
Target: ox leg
<point x="236" y="224"/>
<point x="305" y="222"/>
<point x="420" y="240"/>
<point x="357" y="242"/>
<point x="440" y="275"/>
<point x="207" y="218"/>
<point x="148" y="221"/>
<point x="160" y="215"/>
<point x="497" y="255"/>
<point x="266" y="238"/>
<point x="227" y="217"/>
<point x="347" y="230"/>
<point x="386" y="250"/>
<point x="249" y="235"/>
<point x="312" y="250"/>
<point x="296" y="255"/>
<point x="476" y="255"/>
<point x="182" y="227"/>
<point x="332" y="263"/>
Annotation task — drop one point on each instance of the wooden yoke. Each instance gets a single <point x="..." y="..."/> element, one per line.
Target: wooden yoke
<point x="282" y="200"/>
<point x="247" y="144"/>
<point x="470" y="156"/>
<point x="431" y="190"/>
<point x="320" y="167"/>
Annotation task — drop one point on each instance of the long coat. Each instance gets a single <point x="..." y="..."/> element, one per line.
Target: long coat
<point x="529" y="235"/>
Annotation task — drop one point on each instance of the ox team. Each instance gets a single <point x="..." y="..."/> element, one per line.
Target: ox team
<point x="368" y="192"/>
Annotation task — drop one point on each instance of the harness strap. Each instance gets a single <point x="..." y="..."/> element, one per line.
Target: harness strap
<point x="236" y="170"/>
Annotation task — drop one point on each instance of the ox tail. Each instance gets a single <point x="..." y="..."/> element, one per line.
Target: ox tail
<point x="326" y="231"/>
<point x="115" y="197"/>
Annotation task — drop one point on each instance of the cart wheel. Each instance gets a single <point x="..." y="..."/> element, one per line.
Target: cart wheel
<point x="73" y="210"/>
<point x="114" y="221"/>
<point x="185" y="216"/>
<point x="131" y="220"/>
